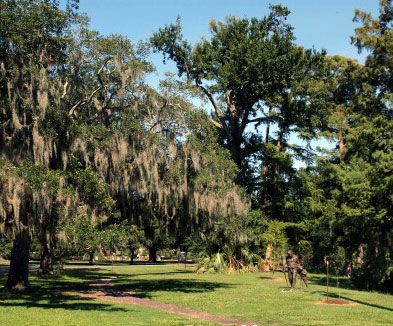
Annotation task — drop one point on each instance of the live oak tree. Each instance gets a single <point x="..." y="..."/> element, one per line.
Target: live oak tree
<point x="177" y="173"/>
<point x="33" y="200"/>
<point x="74" y="108"/>
<point x="32" y="34"/>
<point x="41" y="68"/>
<point x="82" y="236"/>
<point x="254" y="76"/>
<point x="235" y="70"/>
<point x="131" y="238"/>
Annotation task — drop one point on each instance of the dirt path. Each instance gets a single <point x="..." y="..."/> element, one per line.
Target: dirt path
<point x="105" y="291"/>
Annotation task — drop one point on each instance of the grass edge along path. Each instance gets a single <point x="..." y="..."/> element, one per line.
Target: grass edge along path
<point x="105" y="291"/>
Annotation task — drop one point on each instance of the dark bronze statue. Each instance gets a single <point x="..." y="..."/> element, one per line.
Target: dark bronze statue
<point x="292" y="263"/>
<point x="303" y="277"/>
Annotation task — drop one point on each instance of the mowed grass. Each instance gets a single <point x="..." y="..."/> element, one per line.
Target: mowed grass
<point x="53" y="301"/>
<point x="249" y="297"/>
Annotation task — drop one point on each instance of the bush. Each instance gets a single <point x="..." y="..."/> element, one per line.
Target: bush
<point x="5" y="248"/>
<point x="216" y="264"/>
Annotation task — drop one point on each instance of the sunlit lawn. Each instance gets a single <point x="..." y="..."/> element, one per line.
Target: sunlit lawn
<point x="249" y="296"/>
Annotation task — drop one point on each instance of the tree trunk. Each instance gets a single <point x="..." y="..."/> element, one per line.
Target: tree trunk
<point x="273" y="206"/>
<point x="268" y="254"/>
<point x="236" y="156"/>
<point x="18" y="275"/>
<point x="152" y="254"/>
<point x="360" y="257"/>
<point x="348" y="263"/>
<point x="132" y="252"/>
<point x="341" y="147"/>
<point x="91" y="257"/>
<point x="47" y="260"/>
<point x="265" y="166"/>
<point x="47" y="256"/>
<point x="266" y="142"/>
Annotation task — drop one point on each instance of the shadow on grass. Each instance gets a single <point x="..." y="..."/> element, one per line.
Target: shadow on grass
<point x="344" y="283"/>
<point x="143" y="287"/>
<point x="58" y="291"/>
<point x="61" y="291"/>
<point x="276" y="276"/>
<point x="124" y="263"/>
<point x="106" y="270"/>
<point x="52" y="299"/>
<point x="119" y="275"/>
<point x="336" y="296"/>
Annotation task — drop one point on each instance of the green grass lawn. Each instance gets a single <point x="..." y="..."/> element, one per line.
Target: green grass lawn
<point x="249" y="296"/>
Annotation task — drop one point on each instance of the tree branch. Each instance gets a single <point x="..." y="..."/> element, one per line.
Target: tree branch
<point x="245" y="120"/>
<point x="187" y="70"/>
<point x="230" y="104"/>
<point x="65" y="89"/>
<point x="263" y="119"/>
<point x="84" y="101"/>
<point x="218" y="111"/>
<point x="217" y="124"/>
<point x="88" y="98"/>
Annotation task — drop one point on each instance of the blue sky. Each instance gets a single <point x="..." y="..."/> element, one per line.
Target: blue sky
<point x="319" y="23"/>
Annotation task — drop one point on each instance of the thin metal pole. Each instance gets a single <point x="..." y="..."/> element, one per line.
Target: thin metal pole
<point x="327" y="280"/>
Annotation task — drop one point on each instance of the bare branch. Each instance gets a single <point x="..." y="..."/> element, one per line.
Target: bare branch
<point x="245" y="120"/>
<point x="218" y="111"/>
<point x="217" y="124"/>
<point x="5" y="123"/>
<point x="84" y="101"/>
<point x="88" y="98"/>
<point x="65" y="89"/>
<point x="103" y="66"/>
<point x="230" y="104"/>
<point x="187" y="70"/>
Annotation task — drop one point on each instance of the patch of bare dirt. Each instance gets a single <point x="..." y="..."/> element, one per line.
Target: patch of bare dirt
<point x="337" y="302"/>
<point x="278" y="280"/>
<point x="105" y="291"/>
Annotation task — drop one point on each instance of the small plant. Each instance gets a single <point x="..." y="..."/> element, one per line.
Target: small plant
<point x="276" y="241"/>
<point x="215" y="264"/>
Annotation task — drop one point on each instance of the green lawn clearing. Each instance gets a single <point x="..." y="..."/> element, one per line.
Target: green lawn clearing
<point x="249" y="296"/>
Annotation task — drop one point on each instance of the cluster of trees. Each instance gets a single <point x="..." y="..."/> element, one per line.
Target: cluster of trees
<point x="263" y="87"/>
<point x="88" y="147"/>
<point x="85" y="140"/>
